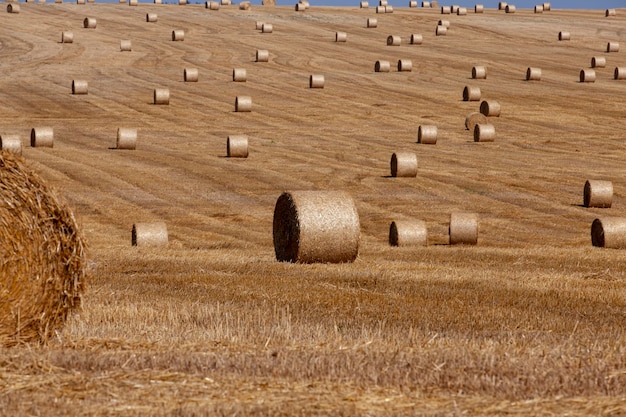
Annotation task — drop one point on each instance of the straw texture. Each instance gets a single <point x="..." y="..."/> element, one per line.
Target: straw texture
<point x="89" y="23"/>
<point x="79" y="87"/>
<point x="125" y="45"/>
<point x="463" y="228"/>
<point x="341" y="37"/>
<point x="471" y="93"/>
<point x="316" y="226"/>
<point x="609" y="232"/>
<point x="416" y="39"/>
<point x="490" y="108"/>
<point x="372" y="22"/>
<point x="161" y="96"/>
<point x="316" y="81"/>
<point x="427" y="134"/>
<point x="473" y="119"/>
<point x="126" y="138"/>
<point x="612" y="47"/>
<point x="408" y="233"/>
<point x="598" y="62"/>
<point x="240" y="75"/>
<point x="149" y="234"/>
<point x="190" y="75"/>
<point x="382" y="66"/>
<point x="394" y="40"/>
<point x="405" y="65"/>
<point x="243" y="104"/>
<point x="267" y="28"/>
<point x="11" y="143"/>
<point x="403" y="164"/>
<point x="598" y="193"/>
<point x="484" y="133"/>
<point x="479" y="73"/>
<point x="619" y="73"/>
<point x="533" y="74"/>
<point x="42" y="137"/>
<point x="262" y="55"/>
<point x="152" y="17"/>
<point x="67" y="37"/>
<point x="587" y="75"/>
<point x="178" y="35"/>
<point x="237" y="146"/>
<point x="441" y="31"/>
<point x="564" y="36"/>
<point x="42" y="249"/>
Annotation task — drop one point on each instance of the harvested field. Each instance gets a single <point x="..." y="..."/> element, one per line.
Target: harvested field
<point x="530" y="321"/>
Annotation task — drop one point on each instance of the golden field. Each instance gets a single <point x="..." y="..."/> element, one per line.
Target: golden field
<point x="531" y="321"/>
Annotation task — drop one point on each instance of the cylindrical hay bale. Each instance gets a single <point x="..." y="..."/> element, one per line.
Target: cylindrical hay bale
<point x="484" y="133"/>
<point x="13" y="8"/>
<point x="372" y="23"/>
<point x="67" y="37"/>
<point x="445" y="23"/>
<point x="125" y="45"/>
<point x="454" y="8"/>
<point x="240" y="75"/>
<point x="441" y="31"/>
<point x="413" y="3"/>
<point x="533" y="74"/>
<point x="316" y="226"/>
<point x="598" y="62"/>
<point x="587" y="76"/>
<point x="316" y="81"/>
<point x="259" y="25"/>
<point x="79" y="87"/>
<point x="132" y="2"/>
<point x="43" y="265"/>
<point x="479" y="8"/>
<point x="383" y="3"/>
<point x="225" y="2"/>
<point x="364" y="5"/>
<point x="416" y="39"/>
<point x="11" y="143"/>
<point x="237" y="146"/>
<point x="427" y="135"/>
<point x="42" y="137"/>
<point x="90" y="23"/>
<point x="461" y="11"/>
<point x="152" y="17"/>
<point x="212" y="5"/>
<point x="404" y="164"/>
<point x="539" y="8"/>
<point x="619" y="73"/>
<point x="149" y="234"/>
<point x="382" y="66"/>
<point x="609" y="232"/>
<point x="267" y="28"/>
<point x="182" y="2"/>
<point x="126" y="138"/>
<point x="510" y="8"/>
<point x="471" y="93"/>
<point x="598" y="193"/>
<point x="502" y="5"/>
<point x="426" y="4"/>
<point x="341" y="36"/>
<point x="262" y="55"/>
<point x="473" y="119"/>
<point x="463" y="228"/>
<point x="479" y="73"/>
<point x="405" y="65"/>
<point x="490" y="108"/>
<point x="408" y="233"/>
<point x="610" y="12"/>
<point x="178" y="35"/>
<point x="446" y="9"/>
<point x="389" y="9"/>
<point x="612" y="47"/>
<point x="564" y="36"/>
<point x="300" y="7"/>
<point x="243" y="104"/>
<point x="244" y="5"/>
<point x="380" y="9"/>
<point x="434" y="4"/>
<point x="547" y="7"/>
<point x="394" y="40"/>
<point x="162" y="96"/>
<point x="190" y="75"/>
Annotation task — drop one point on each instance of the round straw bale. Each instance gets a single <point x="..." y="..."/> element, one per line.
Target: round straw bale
<point x="364" y="5"/>
<point x="389" y="9"/>
<point x="79" y="87"/>
<point x="132" y="2"/>
<point x="408" y="233"/>
<point x="341" y="36"/>
<point x="178" y="35"/>
<point x="619" y="73"/>
<point x="416" y="39"/>
<point x="190" y="75"/>
<point x="67" y="37"/>
<point x="316" y="226"/>
<point x="42" y="137"/>
<point x="267" y="28"/>
<point x="434" y="4"/>
<point x="152" y="17"/>
<point x="380" y="9"/>
<point x="237" y="146"/>
<point x="441" y="31"/>
<point x="610" y="12"/>
<point x="403" y="164"/>
<point x="225" y="2"/>
<point x="538" y="8"/>
<point x="382" y="66"/>
<point x="461" y="11"/>
<point x="463" y="228"/>
<point x="413" y="3"/>
<point x="598" y="62"/>
<point x="182" y="2"/>
<point x="11" y="143"/>
<point x="426" y="4"/>
<point x="316" y="81"/>
<point x="446" y="9"/>
<point x="479" y="73"/>
<point x="612" y="47"/>
<point x="471" y="93"/>
<point x="564" y="36"/>
<point x="372" y="22"/>
<point x="473" y="119"/>
<point x="300" y="7"/>
<point x="609" y="232"/>
<point x="445" y="23"/>
<point x="484" y="133"/>
<point x="243" y="104"/>
<point x="259" y="25"/>
<point x="547" y="7"/>
<point x="383" y="3"/>
<point x="479" y="8"/>
<point x="502" y="5"/>
<point x="161" y="96"/>
<point x="89" y="23"/>
<point x="454" y="8"/>
<point x="262" y="55"/>
<point x="510" y="8"/>
<point x="240" y="75"/>
<point x="212" y="5"/>
<point x="13" y="8"/>
<point x="587" y="75"/>
<point x="149" y="234"/>
<point x="405" y="65"/>
<point x="533" y="74"/>
<point x="427" y="134"/>
<point x="126" y="138"/>
<point x="490" y="108"/>
<point x="244" y="5"/>
<point x="598" y="193"/>
<point x="44" y="265"/>
<point x="125" y="45"/>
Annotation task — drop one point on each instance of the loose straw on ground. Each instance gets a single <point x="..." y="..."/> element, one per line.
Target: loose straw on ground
<point x="149" y="234"/>
<point x="403" y="164"/>
<point x="190" y="75"/>
<point x="463" y="228"/>
<point x="471" y="93"/>
<point x="427" y="134"/>
<point x="126" y="138"/>
<point x="240" y="75"/>
<point x="243" y="104"/>
<point x="408" y="233"/>
<point x="237" y="146"/>
<point x="533" y="74"/>
<point x="42" y="137"/>
<point x="484" y="133"/>
<point x="11" y="143"/>
<point x="79" y="87"/>
<point x="609" y="232"/>
<point x="490" y="108"/>
<point x="316" y="226"/>
<point x="598" y="193"/>
<point x="161" y="96"/>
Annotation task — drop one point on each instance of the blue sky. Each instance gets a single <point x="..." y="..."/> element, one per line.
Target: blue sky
<point x="560" y="4"/>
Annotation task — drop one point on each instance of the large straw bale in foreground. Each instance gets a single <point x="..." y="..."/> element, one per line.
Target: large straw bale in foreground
<point x="316" y="226"/>
<point x="43" y="257"/>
